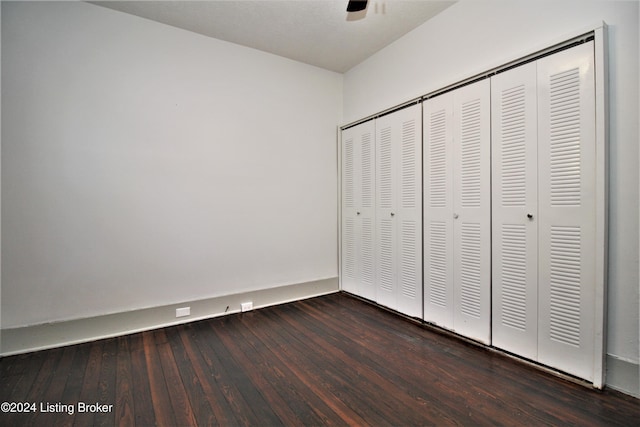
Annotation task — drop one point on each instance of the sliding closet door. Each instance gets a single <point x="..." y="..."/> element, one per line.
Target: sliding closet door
<point x="567" y="205"/>
<point x="398" y="210"/>
<point x="472" y="211"/>
<point x="457" y="211"/>
<point x="515" y="210"/>
<point x="438" y="210"/>
<point x="358" y="208"/>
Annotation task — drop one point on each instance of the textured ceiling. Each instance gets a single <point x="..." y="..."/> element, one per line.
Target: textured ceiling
<point x="317" y="32"/>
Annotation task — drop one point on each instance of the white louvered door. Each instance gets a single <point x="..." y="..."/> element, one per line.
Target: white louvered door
<point x="398" y="211"/>
<point x="472" y="211"/>
<point x="457" y="211"/>
<point x="438" y="210"/>
<point x="515" y="211"/>
<point x="386" y="248"/>
<point x="544" y="211"/>
<point x="409" y="212"/>
<point x="350" y="243"/>
<point x="567" y="206"/>
<point x="358" y="209"/>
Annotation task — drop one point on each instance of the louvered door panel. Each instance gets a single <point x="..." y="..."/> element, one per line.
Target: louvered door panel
<point x="350" y="247"/>
<point x="366" y="212"/>
<point x="409" y="211"/>
<point x="358" y="208"/>
<point x="398" y="211"/>
<point x="567" y="156"/>
<point x="472" y="211"/>
<point x="438" y="210"/>
<point x="386" y="181"/>
<point x="514" y="188"/>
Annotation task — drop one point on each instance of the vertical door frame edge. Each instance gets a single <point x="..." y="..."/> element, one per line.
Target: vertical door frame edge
<point x="602" y="196"/>
<point x="422" y="175"/>
<point x="339" y="170"/>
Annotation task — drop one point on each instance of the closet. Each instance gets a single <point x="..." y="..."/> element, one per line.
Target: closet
<point x="508" y="245"/>
<point x="382" y="210"/>
<point x="544" y="210"/>
<point x="457" y="211"/>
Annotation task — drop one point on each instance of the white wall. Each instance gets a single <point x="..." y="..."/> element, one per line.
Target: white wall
<point x="474" y="36"/>
<point x="144" y="165"/>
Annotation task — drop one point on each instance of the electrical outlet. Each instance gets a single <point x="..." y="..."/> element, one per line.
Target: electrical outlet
<point x="183" y="311"/>
<point x="246" y="306"/>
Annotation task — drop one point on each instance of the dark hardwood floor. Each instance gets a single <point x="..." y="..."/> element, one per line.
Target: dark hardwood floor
<point x="332" y="360"/>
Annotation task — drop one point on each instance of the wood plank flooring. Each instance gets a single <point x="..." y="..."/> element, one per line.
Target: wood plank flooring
<point x="332" y="360"/>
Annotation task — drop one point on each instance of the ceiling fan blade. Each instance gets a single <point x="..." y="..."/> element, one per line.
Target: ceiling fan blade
<point x="356" y="5"/>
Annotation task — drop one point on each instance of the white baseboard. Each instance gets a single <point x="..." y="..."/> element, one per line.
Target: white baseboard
<point x="51" y="335"/>
<point x="623" y="375"/>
